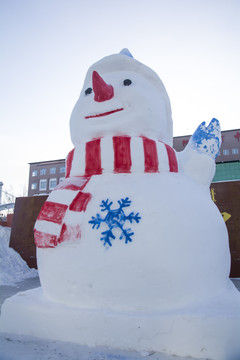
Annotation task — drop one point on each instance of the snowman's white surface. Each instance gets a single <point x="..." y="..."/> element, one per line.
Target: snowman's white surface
<point x="179" y="254"/>
<point x="145" y="103"/>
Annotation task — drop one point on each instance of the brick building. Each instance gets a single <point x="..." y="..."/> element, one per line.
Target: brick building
<point x="44" y="176"/>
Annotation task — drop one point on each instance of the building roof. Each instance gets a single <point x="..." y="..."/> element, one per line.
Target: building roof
<point x="47" y="162"/>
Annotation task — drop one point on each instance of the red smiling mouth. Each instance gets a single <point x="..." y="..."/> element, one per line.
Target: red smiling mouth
<point x="103" y="114"/>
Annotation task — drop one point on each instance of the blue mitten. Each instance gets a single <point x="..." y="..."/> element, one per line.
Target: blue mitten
<point x="208" y="139"/>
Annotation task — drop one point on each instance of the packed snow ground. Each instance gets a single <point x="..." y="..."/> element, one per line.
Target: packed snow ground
<point x="22" y="348"/>
<point x="15" y="276"/>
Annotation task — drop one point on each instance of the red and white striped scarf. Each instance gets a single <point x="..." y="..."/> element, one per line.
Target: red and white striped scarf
<point x="120" y="154"/>
<point x="58" y="220"/>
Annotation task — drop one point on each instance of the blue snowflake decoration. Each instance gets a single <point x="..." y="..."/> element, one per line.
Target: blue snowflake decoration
<point x="115" y="218"/>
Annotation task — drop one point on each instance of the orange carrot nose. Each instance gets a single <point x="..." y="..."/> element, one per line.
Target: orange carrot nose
<point x="102" y="91"/>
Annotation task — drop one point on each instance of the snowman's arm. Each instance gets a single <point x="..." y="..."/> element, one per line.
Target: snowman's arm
<point x="198" y="158"/>
<point x="207" y="139"/>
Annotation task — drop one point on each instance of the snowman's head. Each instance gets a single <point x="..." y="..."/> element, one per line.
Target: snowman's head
<point x="121" y="96"/>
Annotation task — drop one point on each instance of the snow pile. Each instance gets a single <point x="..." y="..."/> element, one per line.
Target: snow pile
<point x="12" y="267"/>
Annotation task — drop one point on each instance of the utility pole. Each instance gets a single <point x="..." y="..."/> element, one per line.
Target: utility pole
<point x="1" y="185"/>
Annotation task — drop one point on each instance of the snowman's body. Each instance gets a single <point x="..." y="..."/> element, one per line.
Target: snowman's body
<point x="161" y="268"/>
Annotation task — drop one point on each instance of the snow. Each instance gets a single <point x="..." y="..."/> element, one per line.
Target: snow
<point x="12" y="267"/>
<point x="29" y="348"/>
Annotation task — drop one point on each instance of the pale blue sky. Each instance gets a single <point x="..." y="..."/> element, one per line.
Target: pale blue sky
<point x="46" y="47"/>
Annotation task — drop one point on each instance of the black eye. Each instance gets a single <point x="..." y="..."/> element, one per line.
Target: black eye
<point x="88" y="91"/>
<point x="127" y="82"/>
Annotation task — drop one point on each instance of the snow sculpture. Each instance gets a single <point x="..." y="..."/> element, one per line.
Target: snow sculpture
<point x="154" y="278"/>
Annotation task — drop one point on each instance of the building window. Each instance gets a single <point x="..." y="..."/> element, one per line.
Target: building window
<point x="235" y="151"/>
<point x="52" y="184"/>
<point x="62" y="169"/>
<point x="43" y="184"/>
<point x="34" y="186"/>
<point x="43" y="172"/>
<point x="226" y="152"/>
<point x="34" y="173"/>
<point x="61" y="179"/>
<point x="53" y="170"/>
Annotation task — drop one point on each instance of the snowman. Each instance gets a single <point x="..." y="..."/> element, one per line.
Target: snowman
<point x="132" y="228"/>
